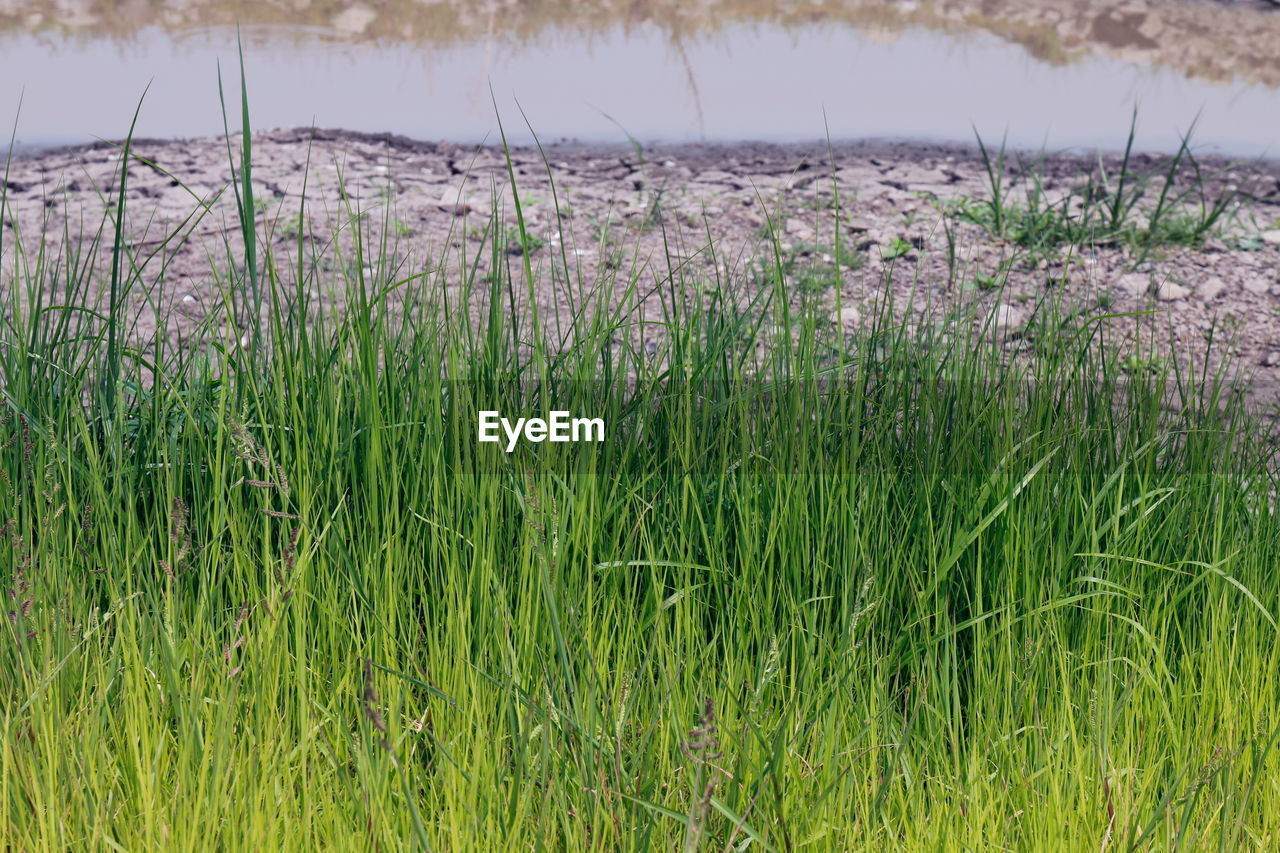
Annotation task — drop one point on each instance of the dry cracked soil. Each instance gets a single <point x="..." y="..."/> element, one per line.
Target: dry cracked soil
<point x="633" y="212"/>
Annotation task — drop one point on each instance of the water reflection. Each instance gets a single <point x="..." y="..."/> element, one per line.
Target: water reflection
<point x="1048" y="70"/>
<point x="1217" y="40"/>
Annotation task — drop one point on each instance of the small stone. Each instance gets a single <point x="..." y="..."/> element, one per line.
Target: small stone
<point x="798" y="229"/>
<point x="850" y="316"/>
<point x="1211" y="289"/>
<point x="1257" y="285"/>
<point x="1169" y="291"/>
<point x="1135" y="283"/>
<point x="716" y="176"/>
<point x="1271" y="359"/>
<point x="1008" y="317"/>
<point x="454" y="201"/>
<point x="1272" y="237"/>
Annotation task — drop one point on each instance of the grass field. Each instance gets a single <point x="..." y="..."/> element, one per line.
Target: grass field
<point x="818" y="589"/>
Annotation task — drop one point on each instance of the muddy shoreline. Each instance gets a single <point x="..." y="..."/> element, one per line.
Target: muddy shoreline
<point x="618" y="204"/>
<point x="1063" y="161"/>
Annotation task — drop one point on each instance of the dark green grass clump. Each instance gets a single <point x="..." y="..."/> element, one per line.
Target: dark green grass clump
<point x="815" y="590"/>
<point x="1179" y="203"/>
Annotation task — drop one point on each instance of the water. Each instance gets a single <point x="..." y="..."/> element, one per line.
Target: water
<point x="720" y="71"/>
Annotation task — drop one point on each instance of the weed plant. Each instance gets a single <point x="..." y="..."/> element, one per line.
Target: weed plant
<point x="1177" y="204"/>
<point x="817" y="589"/>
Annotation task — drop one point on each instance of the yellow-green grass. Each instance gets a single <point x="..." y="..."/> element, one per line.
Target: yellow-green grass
<point x="818" y="589"/>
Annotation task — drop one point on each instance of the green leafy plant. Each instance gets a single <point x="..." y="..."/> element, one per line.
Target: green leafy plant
<point x="896" y="248"/>
<point x="819" y="588"/>
<point x="1178" y="204"/>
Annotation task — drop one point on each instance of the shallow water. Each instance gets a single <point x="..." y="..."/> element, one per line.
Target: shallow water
<point x="716" y="71"/>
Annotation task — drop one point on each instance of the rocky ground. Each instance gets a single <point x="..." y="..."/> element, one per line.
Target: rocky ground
<point x="627" y="211"/>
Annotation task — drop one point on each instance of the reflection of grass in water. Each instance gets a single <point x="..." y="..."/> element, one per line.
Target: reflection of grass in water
<point x="1213" y="41"/>
<point x="841" y="590"/>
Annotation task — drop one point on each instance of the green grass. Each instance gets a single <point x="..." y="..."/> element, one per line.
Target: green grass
<point x="817" y="590"/>
<point x="1176" y="202"/>
<point x="805" y="268"/>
